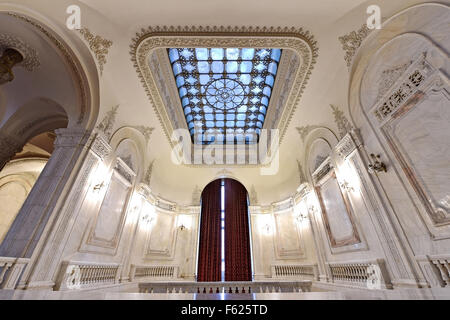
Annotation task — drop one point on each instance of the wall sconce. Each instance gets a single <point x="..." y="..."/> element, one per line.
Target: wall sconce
<point x="99" y="187"/>
<point x="267" y="228"/>
<point x="182" y="227"/>
<point x="377" y="166"/>
<point x="8" y="60"/>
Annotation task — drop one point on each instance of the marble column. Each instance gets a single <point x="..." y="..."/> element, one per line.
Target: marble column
<point x="47" y="258"/>
<point x="31" y="220"/>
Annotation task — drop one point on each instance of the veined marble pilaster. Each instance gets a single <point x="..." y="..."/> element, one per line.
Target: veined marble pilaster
<point x="28" y="227"/>
<point x="48" y="261"/>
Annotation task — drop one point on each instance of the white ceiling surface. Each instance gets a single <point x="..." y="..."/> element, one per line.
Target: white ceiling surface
<point x="120" y="20"/>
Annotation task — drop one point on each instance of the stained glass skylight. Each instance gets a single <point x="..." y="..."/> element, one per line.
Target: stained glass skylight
<point x="225" y="93"/>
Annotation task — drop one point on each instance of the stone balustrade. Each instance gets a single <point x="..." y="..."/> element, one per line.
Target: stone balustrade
<point x="442" y="263"/>
<point x="153" y="272"/>
<point x="225" y="287"/>
<point x="11" y="270"/>
<point x="436" y="269"/>
<point x="79" y="275"/>
<point x="368" y="274"/>
<point x="310" y="272"/>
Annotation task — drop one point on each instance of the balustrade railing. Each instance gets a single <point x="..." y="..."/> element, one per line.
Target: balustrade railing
<point x="79" y="275"/>
<point x="225" y="287"/>
<point x="369" y="274"/>
<point x="153" y="272"/>
<point x="310" y="272"/>
<point x="11" y="270"/>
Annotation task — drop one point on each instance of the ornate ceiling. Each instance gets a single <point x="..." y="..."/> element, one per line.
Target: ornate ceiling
<point x="308" y="81"/>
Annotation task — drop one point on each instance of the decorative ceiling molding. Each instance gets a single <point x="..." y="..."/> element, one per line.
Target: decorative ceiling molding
<point x="388" y="78"/>
<point x="70" y="57"/>
<point x="352" y="41"/>
<point x="301" y="173"/>
<point x="342" y="122"/>
<point x="297" y="40"/>
<point x="107" y="124"/>
<point x="305" y="130"/>
<point x="30" y="56"/>
<point x="147" y="179"/>
<point x="98" y="45"/>
<point x="146" y="131"/>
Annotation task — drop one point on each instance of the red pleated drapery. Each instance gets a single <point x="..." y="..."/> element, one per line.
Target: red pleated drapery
<point x="209" y="258"/>
<point x="237" y="234"/>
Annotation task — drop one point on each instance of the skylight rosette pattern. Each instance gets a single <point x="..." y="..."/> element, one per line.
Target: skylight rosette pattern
<point x="225" y="92"/>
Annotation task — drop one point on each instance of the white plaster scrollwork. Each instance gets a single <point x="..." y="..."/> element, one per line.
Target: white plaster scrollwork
<point x="30" y="56"/>
<point x="146" y="131"/>
<point x="352" y="41"/>
<point x="342" y="122"/>
<point x="253" y="196"/>
<point x="148" y="174"/>
<point x="107" y="124"/>
<point x="98" y="45"/>
<point x="305" y="130"/>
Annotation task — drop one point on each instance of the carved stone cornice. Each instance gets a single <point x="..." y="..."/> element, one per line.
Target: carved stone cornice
<point x="352" y="41"/>
<point x="98" y="45"/>
<point x="30" y="56"/>
<point x="297" y="40"/>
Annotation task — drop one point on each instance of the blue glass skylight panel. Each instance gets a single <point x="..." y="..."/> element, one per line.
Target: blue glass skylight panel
<point x="225" y="91"/>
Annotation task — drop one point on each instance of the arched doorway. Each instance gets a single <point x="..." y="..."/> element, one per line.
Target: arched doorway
<point x="224" y="242"/>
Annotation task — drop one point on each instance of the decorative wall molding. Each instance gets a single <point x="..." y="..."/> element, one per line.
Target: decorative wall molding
<point x="301" y="173"/>
<point x="388" y="78"/>
<point x="146" y="131"/>
<point x="253" y="196"/>
<point x="298" y="40"/>
<point x="101" y="147"/>
<point x="148" y="174"/>
<point x="76" y="68"/>
<point x="305" y="130"/>
<point x="98" y="45"/>
<point x="30" y="61"/>
<point x="352" y="41"/>
<point x="107" y="124"/>
<point x="342" y="122"/>
<point x="124" y="169"/>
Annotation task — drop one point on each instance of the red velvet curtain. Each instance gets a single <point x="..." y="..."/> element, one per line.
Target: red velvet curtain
<point x="209" y="248"/>
<point x="237" y="234"/>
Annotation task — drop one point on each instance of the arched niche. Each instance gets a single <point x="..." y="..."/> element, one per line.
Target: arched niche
<point x="399" y="98"/>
